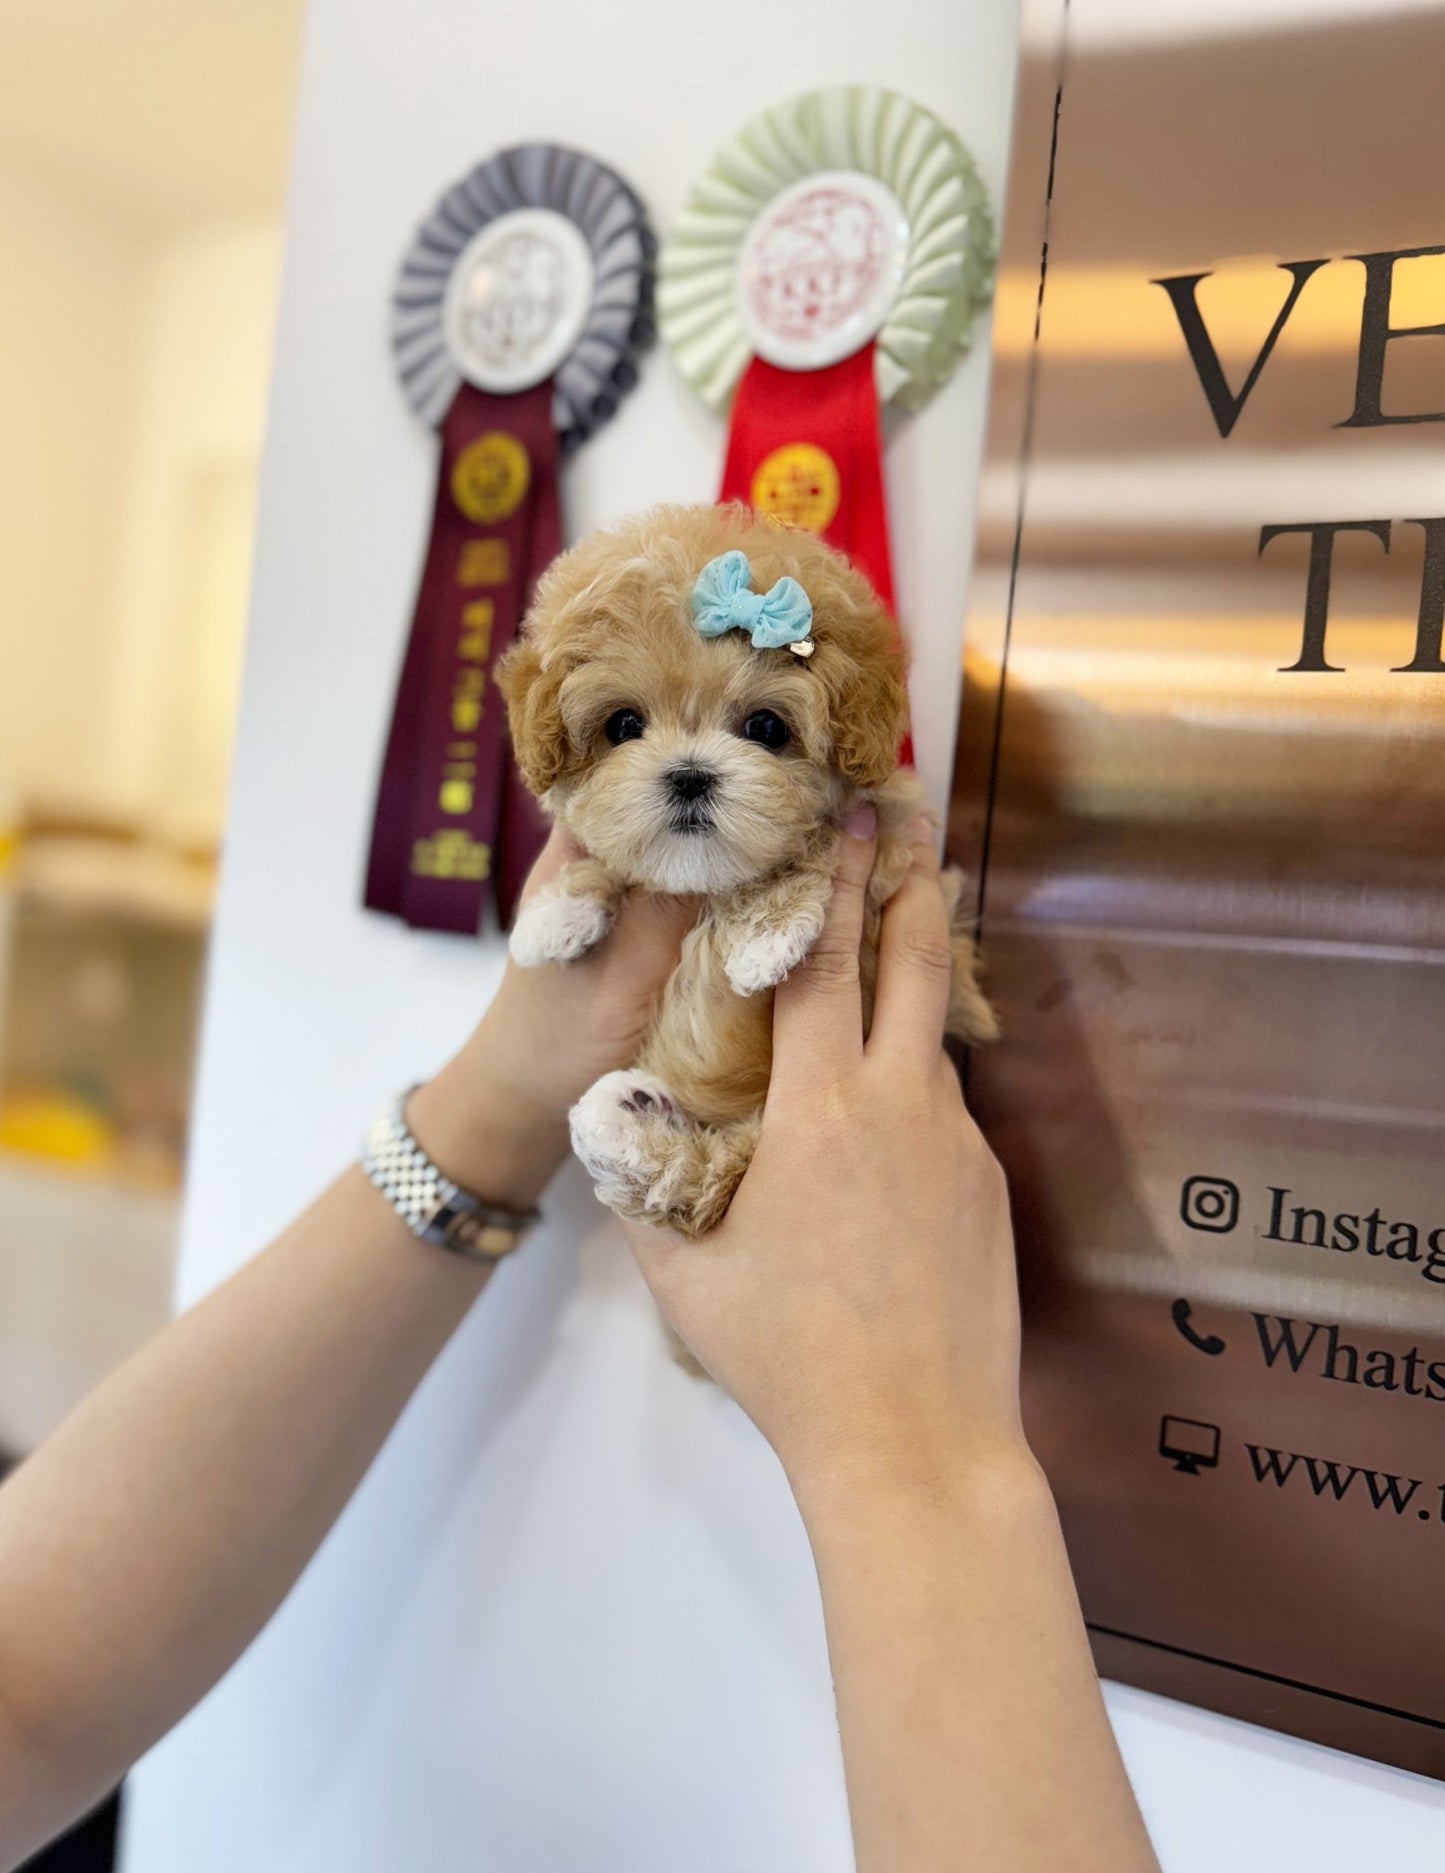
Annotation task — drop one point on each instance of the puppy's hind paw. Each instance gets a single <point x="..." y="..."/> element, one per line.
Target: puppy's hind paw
<point x="971" y="1016"/>
<point x="558" y="927"/>
<point x="766" y="957"/>
<point x="624" y="1129"/>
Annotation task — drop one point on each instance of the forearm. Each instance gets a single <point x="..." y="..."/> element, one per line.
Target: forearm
<point x="149" y="1541"/>
<point x="973" y="1730"/>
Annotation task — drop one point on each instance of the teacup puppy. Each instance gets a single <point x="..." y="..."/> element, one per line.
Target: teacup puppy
<point x="699" y="697"/>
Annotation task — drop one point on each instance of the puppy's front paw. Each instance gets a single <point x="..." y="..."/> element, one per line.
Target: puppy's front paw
<point x="624" y="1129"/>
<point x="766" y="956"/>
<point x="558" y="927"/>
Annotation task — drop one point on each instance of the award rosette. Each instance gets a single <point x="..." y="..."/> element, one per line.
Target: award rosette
<point x="831" y="259"/>
<point x="517" y="317"/>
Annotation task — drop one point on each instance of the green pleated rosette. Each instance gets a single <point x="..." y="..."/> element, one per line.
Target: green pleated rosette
<point x="948" y="278"/>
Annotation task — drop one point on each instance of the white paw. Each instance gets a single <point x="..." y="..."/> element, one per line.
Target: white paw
<point x="764" y="960"/>
<point x="558" y="927"/>
<point x="618" y="1128"/>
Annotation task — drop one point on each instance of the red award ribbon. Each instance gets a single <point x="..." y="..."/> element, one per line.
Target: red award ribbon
<point x="451" y="811"/>
<point x="807" y="448"/>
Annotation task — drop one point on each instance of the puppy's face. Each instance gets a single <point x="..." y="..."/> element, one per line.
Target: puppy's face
<point x="703" y="764"/>
<point x="688" y="764"/>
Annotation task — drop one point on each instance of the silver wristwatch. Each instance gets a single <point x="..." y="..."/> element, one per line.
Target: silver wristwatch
<point x="430" y="1204"/>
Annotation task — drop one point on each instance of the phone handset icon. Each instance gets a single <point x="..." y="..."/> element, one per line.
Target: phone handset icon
<point x="1201" y="1342"/>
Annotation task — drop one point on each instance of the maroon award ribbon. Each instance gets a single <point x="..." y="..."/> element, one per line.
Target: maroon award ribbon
<point x="518" y="313"/>
<point x="451" y="812"/>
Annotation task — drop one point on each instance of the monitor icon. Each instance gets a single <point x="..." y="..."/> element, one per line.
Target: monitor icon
<point x="1190" y="1445"/>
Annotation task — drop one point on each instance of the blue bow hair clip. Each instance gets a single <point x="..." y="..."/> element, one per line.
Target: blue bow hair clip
<point x="723" y="600"/>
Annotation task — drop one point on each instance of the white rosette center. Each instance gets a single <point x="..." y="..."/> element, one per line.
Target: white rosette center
<point x="517" y="300"/>
<point x="821" y="268"/>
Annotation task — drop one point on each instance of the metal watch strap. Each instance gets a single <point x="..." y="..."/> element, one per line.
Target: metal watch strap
<point x="429" y="1203"/>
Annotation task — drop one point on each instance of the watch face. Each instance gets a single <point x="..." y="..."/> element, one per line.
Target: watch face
<point x="820" y="269"/>
<point x="518" y="299"/>
<point x="479" y="1240"/>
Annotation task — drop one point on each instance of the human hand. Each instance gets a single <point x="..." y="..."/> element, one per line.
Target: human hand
<point x="549" y="1033"/>
<point x="859" y="1300"/>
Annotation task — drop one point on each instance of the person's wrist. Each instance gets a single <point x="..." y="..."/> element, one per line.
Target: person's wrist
<point x="849" y="1499"/>
<point x="487" y="1135"/>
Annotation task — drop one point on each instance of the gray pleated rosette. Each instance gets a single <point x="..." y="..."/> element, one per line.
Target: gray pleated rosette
<point x="601" y="366"/>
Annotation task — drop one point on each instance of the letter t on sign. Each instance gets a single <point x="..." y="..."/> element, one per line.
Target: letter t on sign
<point x="1430" y="626"/>
<point x="1317" y="588"/>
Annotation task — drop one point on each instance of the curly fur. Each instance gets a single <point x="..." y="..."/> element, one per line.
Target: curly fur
<point x="610" y="628"/>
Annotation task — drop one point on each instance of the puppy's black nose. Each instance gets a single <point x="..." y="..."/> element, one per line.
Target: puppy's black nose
<point x="691" y="783"/>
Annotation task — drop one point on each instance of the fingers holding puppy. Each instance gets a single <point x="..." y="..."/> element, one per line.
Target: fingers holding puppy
<point x="915" y="963"/>
<point x="560" y="851"/>
<point x="818" y="1010"/>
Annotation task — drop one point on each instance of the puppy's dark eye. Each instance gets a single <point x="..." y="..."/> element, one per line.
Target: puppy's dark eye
<point x="771" y="730"/>
<point x="623" y="725"/>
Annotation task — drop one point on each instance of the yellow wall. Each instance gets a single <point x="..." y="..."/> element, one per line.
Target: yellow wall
<point x="70" y="315"/>
<point x="132" y="384"/>
<point x="205" y="354"/>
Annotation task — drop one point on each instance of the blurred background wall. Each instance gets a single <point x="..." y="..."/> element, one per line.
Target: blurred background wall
<point x="143" y="154"/>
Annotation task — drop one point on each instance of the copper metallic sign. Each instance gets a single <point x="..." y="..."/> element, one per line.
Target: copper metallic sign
<point x="1202" y="778"/>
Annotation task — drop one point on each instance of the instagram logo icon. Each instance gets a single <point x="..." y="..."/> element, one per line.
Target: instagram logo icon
<point x="1209" y="1203"/>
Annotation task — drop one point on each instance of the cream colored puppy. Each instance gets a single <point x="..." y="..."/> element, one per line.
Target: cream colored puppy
<point x="699" y="698"/>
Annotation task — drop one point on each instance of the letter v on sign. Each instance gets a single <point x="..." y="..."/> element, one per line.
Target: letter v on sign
<point x="1183" y="296"/>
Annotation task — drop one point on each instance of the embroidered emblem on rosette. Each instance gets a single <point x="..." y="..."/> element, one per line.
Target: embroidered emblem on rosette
<point x="537" y="264"/>
<point x="840" y="216"/>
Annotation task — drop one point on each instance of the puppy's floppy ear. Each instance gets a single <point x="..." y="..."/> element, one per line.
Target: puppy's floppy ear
<point x="869" y="706"/>
<point x="534" y="714"/>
